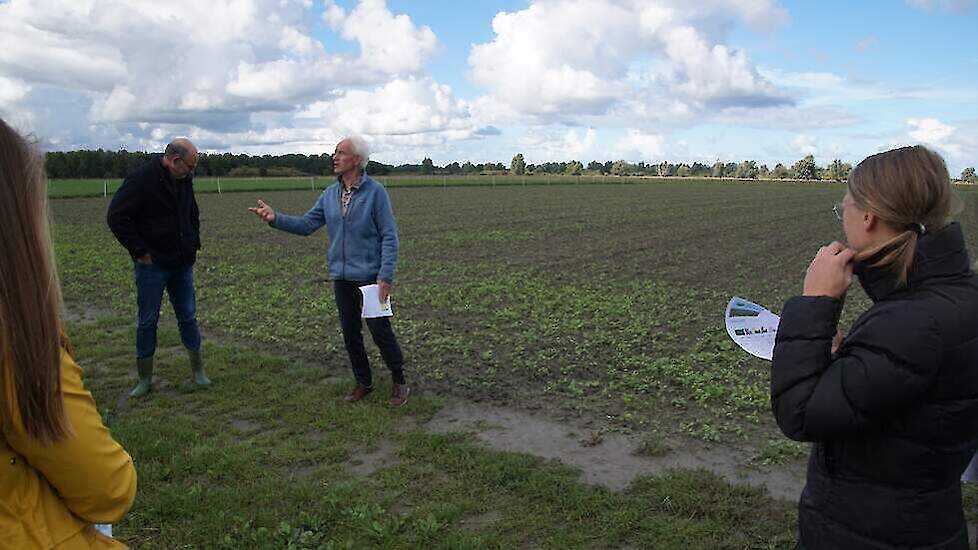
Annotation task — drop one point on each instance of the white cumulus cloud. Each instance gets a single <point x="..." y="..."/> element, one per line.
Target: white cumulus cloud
<point x="12" y="90"/>
<point x="804" y="144"/>
<point x="823" y="150"/>
<point x="230" y="72"/>
<point x="637" y="146"/>
<point x="551" y="144"/>
<point x="399" y="107"/>
<point x="560" y="59"/>
<point x="929" y="130"/>
<point x="957" y="142"/>
<point x="389" y="43"/>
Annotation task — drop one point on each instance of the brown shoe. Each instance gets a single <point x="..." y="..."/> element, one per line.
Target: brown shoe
<point x="358" y="393"/>
<point x="399" y="395"/>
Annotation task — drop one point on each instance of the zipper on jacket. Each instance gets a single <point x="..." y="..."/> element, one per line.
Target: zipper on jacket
<point x="343" y="238"/>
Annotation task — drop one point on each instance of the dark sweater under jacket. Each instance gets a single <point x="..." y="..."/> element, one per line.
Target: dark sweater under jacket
<point x="152" y="213"/>
<point x="894" y="414"/>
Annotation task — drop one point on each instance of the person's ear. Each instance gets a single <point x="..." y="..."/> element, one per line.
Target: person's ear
<point x="870" y="221"/>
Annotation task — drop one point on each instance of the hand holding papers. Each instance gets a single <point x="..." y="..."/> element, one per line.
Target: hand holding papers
<point x="752" y="327"/>
<point x="371" y="306"/>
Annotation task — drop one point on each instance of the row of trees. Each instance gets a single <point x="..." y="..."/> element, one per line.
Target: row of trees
<point x="428" y="168"/>
<point x="116" y="164"/>
<point x="804" y="169"/>
<point x="968" y="175"/>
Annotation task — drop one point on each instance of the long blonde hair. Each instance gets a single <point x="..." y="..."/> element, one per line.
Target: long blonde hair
<point x="910" y="190"/>
<point x="30" y="297"/>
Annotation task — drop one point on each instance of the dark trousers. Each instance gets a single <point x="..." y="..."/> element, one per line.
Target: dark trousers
<point x="349" y="302"/>
<point x="179" y="284"/>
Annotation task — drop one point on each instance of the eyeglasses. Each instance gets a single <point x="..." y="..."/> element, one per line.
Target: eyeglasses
<point x="838" y="209"/>
<point x="189" y="166"/>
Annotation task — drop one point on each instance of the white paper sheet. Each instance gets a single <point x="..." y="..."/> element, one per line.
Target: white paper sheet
<point x="971" y="473"/>
<point x="371" y="306"/>
<point x="752" y="327"/>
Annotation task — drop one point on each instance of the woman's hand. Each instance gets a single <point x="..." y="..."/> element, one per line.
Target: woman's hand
<point x="837" y="340"/>
<point x="830" y="272"/>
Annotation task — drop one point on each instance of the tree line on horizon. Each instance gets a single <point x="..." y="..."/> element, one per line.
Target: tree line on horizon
<point x="94" y="164"/>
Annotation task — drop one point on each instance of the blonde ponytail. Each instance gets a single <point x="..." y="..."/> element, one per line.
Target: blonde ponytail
<point x="910" y="190"/>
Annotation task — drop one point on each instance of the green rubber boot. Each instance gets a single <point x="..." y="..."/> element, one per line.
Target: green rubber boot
<point x="197" y="366"/>
<point x="144" y="367"/>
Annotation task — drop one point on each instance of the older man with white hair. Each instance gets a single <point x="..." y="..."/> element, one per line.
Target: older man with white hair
<point x="356" y="211"/>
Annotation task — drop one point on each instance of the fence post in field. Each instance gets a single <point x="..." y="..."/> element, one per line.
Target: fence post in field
<point x="105" y="188"/>
<point x="218" y="186"/>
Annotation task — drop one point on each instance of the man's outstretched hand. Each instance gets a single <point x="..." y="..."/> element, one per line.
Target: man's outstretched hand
<point x="263" y="211"/>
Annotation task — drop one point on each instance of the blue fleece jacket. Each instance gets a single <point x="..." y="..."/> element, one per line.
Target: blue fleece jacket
<point x="362" y="245"/>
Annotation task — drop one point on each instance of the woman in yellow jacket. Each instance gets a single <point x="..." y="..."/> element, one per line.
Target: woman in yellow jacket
<point x="60" y="470"/>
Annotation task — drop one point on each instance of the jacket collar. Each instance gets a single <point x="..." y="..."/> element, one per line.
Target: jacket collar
<point x="358" y="184"/>
<point x="938" y="254"/>
<point x="165" y="175"/>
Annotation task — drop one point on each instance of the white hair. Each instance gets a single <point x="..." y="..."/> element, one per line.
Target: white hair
<point x="360" y="148"/>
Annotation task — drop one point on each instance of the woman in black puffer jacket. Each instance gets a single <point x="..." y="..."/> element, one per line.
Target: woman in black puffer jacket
<point x="893" y="408"/>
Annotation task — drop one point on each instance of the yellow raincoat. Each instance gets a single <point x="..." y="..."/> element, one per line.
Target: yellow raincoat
<point x="51" y="495"/>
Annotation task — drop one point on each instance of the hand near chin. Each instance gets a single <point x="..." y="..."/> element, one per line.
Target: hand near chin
<point x="830" y="272"/>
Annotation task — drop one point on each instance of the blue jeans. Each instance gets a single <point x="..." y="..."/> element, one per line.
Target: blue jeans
<point x="179" y="284"/>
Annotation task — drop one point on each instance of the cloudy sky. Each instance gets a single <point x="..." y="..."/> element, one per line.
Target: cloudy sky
<point x="649" y="80"/>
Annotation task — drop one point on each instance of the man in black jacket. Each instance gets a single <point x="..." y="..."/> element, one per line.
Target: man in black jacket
<point x="155" y="217"/>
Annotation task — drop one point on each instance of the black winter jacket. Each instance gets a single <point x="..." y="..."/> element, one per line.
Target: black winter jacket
<point x="153" y="213"/>
<point x="894" y="414"/>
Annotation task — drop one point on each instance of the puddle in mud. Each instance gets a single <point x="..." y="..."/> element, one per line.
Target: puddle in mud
<point x="611" y="460"/>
